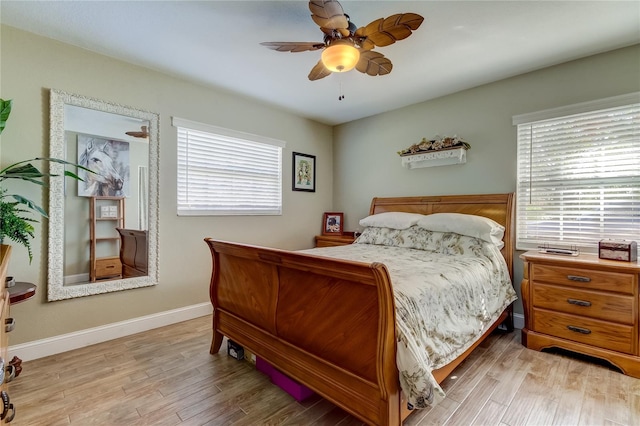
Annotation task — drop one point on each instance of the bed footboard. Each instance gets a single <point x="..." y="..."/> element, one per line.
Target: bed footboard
<point x="327" y="323"/>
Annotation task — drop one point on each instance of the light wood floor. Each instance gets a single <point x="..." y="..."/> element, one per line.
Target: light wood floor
<point x="167" y="377"/>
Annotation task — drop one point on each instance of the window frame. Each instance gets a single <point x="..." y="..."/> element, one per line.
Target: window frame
<point x="195" y="166"/>
<point x="526" y="238"/>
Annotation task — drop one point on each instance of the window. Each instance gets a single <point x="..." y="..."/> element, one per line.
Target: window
<point x="224" y="172"/>
<point x="579" y="174"/>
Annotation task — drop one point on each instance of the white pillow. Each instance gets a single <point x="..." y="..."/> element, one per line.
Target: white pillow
<point x="465" y="224"/>
<point x="393" y="220"/>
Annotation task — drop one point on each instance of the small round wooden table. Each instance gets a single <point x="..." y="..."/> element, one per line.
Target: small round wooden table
<point x="21" y="291"/>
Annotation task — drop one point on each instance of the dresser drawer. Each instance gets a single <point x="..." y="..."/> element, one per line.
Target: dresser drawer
<point x="108" y="267"/>
<point x="616" y="337"/>
<point x="583" y="278"/>
<point x="594" y="304"/>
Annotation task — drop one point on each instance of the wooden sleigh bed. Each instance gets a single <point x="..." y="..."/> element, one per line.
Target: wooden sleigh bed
<point x="277" y="304"/>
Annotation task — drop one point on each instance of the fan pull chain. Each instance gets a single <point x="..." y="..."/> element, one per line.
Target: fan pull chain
<point x="338" y="76"/>
<point x="341" y="94"/>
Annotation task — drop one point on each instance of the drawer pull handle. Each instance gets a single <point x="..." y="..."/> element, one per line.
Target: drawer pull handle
<point x="578" y="278"/>
<point x="9" y="418"/>
<point x="9" y="324"/>
<point x="579" y="302"/>
<point x="10" y="373"/>
<point x="6" y="405"/>
<point x="579" y="329"/>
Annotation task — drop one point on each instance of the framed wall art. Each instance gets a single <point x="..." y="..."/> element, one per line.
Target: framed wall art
<point x="304" y="172"/>
<point x="109" y="159"/>
<point x="332" y="223"/>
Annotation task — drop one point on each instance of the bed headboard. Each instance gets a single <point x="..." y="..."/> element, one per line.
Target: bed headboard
<point x="498" y="207"/>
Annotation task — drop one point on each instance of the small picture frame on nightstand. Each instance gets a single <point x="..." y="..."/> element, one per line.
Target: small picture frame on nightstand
<point x="332" y="223"/>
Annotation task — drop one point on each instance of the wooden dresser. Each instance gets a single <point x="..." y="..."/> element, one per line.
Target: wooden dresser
<point x="583" y="304"/>
<point x="335" y="240"/>
<point x="7" y="371"/>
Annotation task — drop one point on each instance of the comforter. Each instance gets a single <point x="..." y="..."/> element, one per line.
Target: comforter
<point x="448" y="289"/>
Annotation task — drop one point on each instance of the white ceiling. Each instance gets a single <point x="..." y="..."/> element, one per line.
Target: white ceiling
<point x="461" y="44"/>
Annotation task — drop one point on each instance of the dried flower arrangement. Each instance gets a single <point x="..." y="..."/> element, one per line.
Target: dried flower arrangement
<point x="436" y="144"/>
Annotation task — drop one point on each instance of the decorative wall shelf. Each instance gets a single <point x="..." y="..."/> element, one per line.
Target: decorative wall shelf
<point x="443" y="157"/>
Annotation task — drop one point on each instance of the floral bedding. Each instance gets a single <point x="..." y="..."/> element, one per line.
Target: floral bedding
<point x="448" y="290"/>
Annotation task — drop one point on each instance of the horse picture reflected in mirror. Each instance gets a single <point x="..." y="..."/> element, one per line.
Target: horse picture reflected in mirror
<point x="109" y="160"/>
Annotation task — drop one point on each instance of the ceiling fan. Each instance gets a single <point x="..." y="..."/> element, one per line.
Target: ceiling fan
<point x="143" y="133"/>
<point x="345" y="46"/>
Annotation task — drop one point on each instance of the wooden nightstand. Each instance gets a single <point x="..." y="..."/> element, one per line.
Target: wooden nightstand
<point x="335" y="240"/>
<point x="583" y="304"/>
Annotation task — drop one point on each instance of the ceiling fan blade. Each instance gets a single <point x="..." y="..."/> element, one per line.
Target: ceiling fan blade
<point x="318" y="71"/>
<point x="142" y="134"/>
<point x="373" y="63"/>
<point x="292" y="46"/>
<point x="383" y="32"/>
<point x="344" y="32"/>
<point x="366" y="44"/>
<point x="328" y="14"/>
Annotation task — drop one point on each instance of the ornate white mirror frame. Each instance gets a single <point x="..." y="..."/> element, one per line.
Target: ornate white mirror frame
<point x="56" y="289"/>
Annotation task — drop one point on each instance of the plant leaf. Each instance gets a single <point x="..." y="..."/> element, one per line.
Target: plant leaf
<point x="26" y="171"/>
<point x="27" y="202"/>
<point x="5" y="110"/>
<point x="14" y="166"/>
<point x="14" y="225"/>
<point x="73" y="175"/>
<point x="57" y="160"/>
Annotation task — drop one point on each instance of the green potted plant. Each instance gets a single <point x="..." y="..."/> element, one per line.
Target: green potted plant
<point x="15" y="222"/>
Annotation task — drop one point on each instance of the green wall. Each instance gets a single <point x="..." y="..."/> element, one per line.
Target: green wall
<point x="31" y="65"/>
<point x="366" y="163"/>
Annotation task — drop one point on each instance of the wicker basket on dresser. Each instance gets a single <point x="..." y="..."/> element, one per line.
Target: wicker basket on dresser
<point x="583" y="304"/>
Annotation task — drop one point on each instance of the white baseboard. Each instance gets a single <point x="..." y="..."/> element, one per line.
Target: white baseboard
<point x="79" y="339"/>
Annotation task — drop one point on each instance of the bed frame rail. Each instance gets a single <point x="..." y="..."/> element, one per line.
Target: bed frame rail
<point x="327" y="323"/>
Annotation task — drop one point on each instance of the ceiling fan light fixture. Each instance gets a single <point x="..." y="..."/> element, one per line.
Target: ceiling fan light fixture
<point x="340" y="56"/>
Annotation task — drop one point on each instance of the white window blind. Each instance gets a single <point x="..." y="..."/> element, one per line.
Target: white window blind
<point x="579" y="178"/>
<point x="224" y="172"/>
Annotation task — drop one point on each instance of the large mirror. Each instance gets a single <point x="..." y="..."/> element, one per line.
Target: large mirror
<point x="103" y="231"/>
